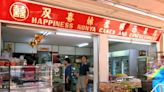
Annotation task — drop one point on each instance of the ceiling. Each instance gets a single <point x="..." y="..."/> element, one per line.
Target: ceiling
<point x="25" y="36"/>
<point x="98" y="7"/>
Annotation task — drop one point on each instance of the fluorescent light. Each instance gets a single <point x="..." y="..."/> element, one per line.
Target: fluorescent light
<point x="130" y="41"/>
<point x="73" y="35"/>
<point x="128" y="8"/>
<point x="119" y="40"/>
<point x="83" y="44"/>
<point x="144" y="43"/>
<point x="46" y="33"/>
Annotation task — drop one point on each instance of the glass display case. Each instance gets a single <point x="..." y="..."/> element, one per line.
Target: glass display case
<point x="4" y="76"/>
<point x="28" y="78"/>
<point x="119" y="65"/>
<point x="31" y="78"/>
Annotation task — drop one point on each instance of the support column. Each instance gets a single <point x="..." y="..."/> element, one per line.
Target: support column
<point x="95" y="63"/>
<point x="160" y="47"/>
<point x="103" y="58"/>
<point x="0" y="38"/>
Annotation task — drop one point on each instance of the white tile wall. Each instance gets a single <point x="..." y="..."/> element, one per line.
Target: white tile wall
<point x="55" y="48"/>
<point x="67" y="50"/>
<point x="83" y="51"/>
<point x="24" y="48"/>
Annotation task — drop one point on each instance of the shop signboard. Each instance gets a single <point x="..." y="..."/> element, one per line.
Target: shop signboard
<point x="29" y="12"/>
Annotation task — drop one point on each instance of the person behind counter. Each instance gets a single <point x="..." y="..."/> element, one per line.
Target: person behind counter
<point x="83" y="75"/>
<point x="68" y="74"/>
<point x="29" y="69"/>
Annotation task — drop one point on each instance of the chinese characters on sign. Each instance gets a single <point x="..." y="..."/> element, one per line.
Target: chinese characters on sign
<point x="90" y="21"/>
<point x="46" y="13"/>
<point x="31" y="13"/>
<point x="19" y="11"/>
<point x="70" y="17"/>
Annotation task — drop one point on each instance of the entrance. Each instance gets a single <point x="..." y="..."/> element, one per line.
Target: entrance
<point x="130" y="62"/>
<point x="39" y="55"/>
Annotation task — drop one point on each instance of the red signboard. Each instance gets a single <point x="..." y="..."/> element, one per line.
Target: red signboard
<point x="38" y="14"/>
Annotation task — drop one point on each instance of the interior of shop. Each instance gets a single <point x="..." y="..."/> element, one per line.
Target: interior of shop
<point x="51" y="47"/>
<point x="131" y="61"/>
<point x="127" y="59"/>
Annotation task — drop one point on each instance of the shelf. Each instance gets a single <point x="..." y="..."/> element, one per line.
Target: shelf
<point x="4" y="73"/>
<point x="1" y="67"/>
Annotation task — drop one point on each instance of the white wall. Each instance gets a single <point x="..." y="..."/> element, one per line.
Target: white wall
<point x="55" y="48"/>
<point x="0" y="39"/>
<point x="126" y="46"/>
<point x="103" y="58"/>
<point x="67" y="50"/>
<point x="24" y="48"/>
<point x="133" y="65"/>
<point x="83" y="51"/>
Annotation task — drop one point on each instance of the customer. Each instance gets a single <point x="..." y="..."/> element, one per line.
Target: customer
<point x="68" y="74"/>
<point x="83" y="75"/>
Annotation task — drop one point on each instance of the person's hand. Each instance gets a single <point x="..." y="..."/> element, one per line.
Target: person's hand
<point x="86" y="80"/>
<point x="66" y="80"/>
<point x="77" y="74"/>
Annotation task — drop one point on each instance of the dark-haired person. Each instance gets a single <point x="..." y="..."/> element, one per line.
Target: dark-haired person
<point x="68" y="74"/>
<point x="29" y="69"/>
<point x="83" y="75"/>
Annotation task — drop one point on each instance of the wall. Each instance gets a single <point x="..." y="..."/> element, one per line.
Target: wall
<point x="63" y="50"/>
<point x="126" y="46"/>
<point x="133" y="65"/>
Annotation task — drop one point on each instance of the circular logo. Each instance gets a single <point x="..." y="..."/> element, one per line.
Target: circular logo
<point x="19" y="11"/>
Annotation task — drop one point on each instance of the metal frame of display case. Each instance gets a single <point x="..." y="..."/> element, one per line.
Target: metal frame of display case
<point x="7" y="66"/>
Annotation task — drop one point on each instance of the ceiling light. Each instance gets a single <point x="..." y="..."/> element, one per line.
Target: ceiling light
<point x="83" y="44"/>
<point x="118" y="40"/>
<point x="73" y="35"/>
<point x="46" y="33"/>
<point x="128" y="8"/>
<point x="144" y="43"/>
<point x="129" y="41"/>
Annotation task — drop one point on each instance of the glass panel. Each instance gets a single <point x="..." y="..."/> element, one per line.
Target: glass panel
<point x="4" y="75"/>
<point x="31" y="78"/>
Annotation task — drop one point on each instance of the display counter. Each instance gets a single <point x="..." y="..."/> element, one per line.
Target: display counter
<point x="120" y="86"/>
<point x="25" y="78"/>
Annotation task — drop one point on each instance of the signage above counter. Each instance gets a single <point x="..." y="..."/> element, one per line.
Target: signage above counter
<point x="28" y="12"/>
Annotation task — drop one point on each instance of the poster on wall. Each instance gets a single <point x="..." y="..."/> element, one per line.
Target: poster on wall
<point x="7" y="50"/>
<point x="9" y="46"/>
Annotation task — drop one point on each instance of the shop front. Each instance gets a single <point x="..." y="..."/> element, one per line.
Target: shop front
<point x="49" y="34"/>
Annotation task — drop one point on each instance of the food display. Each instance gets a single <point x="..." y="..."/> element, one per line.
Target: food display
<point x="121" y="84"/>
<point x="19" y="77"/>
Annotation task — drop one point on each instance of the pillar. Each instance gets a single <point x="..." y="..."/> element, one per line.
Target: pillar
<point x="96" y="63"/>
<point x="103" y="58"/>
<point x="160" y="47"/>
<point x="0" y="38"/>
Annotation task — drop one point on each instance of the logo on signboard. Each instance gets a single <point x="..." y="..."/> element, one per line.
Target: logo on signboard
<point x="19" y="11"/>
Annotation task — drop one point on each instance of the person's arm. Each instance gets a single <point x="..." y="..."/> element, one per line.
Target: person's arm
<point x="87" y="75"/>
<point x="67" y="78"/>
<point x="68" y="74"/>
